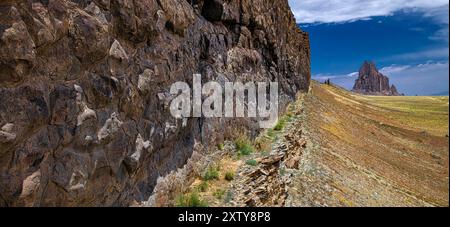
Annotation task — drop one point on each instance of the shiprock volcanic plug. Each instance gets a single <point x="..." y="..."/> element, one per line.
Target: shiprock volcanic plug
<point x="371" y="82"/>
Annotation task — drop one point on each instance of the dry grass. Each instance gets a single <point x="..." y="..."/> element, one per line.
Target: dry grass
<point x="244" y="145"/>
<point x="419" y="112"/>
<point x="215" y="194"/>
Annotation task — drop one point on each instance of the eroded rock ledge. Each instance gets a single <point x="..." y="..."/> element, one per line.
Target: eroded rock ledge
<point x="84" y="89"/>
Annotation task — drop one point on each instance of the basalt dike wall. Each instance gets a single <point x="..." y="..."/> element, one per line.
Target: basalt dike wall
<point x="84" y="90"/>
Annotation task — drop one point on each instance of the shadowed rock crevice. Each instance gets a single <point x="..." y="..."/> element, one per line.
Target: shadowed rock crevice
<point x="212" y="10"/>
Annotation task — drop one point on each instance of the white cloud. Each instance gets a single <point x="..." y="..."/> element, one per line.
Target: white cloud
<point x="423" y="79"/>
<point x="441" y="16"/>
<point x="353" y="74"/>
<point x="441" y="34"/>
<point x="439" y="53"/>
<point x="335" y="11"/>
<point x="321" y="77"/>
<point x="438" y="14"/>
<point x="394" y="69"/>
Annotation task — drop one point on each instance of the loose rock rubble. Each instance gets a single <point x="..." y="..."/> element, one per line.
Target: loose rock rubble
<point x="267" y="184"/>
<point x="294" y="149"/>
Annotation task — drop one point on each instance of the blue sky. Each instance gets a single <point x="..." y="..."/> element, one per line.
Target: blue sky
<point x="407" y="39"/>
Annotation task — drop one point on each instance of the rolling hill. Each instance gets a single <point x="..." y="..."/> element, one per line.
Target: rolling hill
<point x="375" y="151"/>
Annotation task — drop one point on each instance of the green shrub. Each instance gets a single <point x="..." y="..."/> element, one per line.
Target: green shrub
<point x="190" y="200"/>
<point x="247" y="150"/>
<point x="251" y="162"/>
<point x="211" y="174"/>
<point x="220" y="146"/>
<point x="280" y="124"/>
<point x="271" y="133"/>
<point x="244" y="145"/>
<point x="241" y="142"/>
<point x="202" y="187"/>
<point x="229" y="176"/>
<point x="219" y="194"/>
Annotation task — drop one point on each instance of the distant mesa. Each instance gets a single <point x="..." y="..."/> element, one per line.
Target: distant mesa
<point x="371" y="82"/>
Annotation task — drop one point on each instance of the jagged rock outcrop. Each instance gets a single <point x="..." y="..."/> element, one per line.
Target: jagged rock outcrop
<point x="84" y="89"/>
<point x="371" y="82"/>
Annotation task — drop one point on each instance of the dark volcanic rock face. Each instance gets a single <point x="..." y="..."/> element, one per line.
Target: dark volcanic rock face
<point x="84" y="89"/>
<point x="372" y="82"/>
